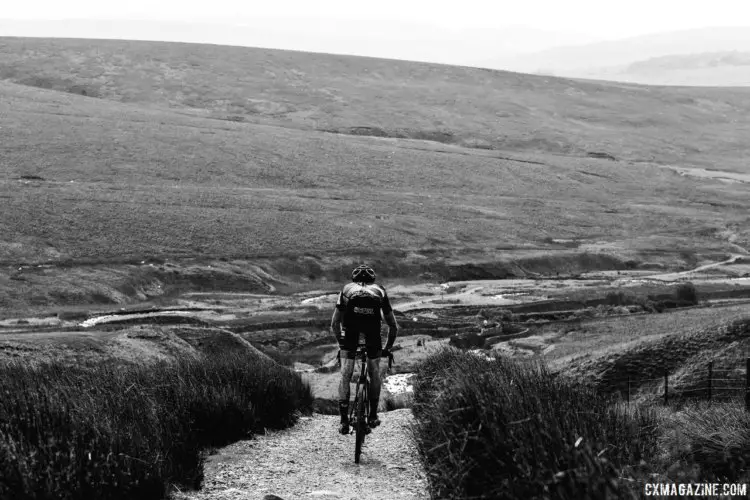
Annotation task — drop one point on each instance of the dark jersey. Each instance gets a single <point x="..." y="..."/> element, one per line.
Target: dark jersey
<point x="361" y="304"/>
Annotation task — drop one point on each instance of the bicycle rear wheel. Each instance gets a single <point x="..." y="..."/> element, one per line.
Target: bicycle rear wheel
<point x="360" y="426"/>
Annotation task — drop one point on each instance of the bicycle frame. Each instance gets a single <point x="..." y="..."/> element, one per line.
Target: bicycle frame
<point x="363" y="382"/>
<point x="361" y="406"/>
<point x="360" y="411"/>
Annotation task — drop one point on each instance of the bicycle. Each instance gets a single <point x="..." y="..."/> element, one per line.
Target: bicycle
<point x="360" y="411"/>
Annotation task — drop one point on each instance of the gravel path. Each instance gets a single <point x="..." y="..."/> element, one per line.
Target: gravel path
<point x="312" y="461"/>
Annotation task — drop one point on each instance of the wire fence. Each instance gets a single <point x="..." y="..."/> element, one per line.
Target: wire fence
<point x="705" y="382"/>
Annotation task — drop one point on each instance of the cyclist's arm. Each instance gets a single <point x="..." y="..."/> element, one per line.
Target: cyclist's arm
<point x="338" y="314"/>
<point x="391" y="320"/>
<point x="336" y="323"/>
<point x="392" y="329"/>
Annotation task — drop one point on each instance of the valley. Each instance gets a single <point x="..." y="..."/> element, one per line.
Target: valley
<point x="166" y="204"/>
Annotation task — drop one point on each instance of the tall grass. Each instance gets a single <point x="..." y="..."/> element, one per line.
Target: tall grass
<point x="502" y="429"/>
<point x="706" y="441"/>
<point x="116" y="431"/>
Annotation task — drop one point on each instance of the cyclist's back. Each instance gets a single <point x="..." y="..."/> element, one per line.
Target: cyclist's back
<point x="361" y="305"/>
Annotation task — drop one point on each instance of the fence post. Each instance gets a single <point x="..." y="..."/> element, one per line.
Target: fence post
<point x="710" y="376"/>
<point x="666" y="387"/>
<point x="747" y="385"/>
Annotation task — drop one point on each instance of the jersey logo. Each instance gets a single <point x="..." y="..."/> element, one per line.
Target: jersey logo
<point x="364" y="310"/>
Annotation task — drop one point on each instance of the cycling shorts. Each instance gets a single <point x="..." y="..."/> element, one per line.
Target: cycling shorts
<point x="372" y="340"/>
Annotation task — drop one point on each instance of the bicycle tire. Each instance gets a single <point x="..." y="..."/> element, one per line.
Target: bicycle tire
<point x="360" y="426"/>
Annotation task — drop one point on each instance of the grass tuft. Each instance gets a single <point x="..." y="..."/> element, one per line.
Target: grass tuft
<point x="503" y="429"/>
<point x="707" y="441"/>
<point x="122" y="431"/>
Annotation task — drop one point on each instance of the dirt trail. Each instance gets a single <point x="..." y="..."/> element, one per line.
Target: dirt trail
<point x="311" y="460"/>
<point x="677" y="275"/>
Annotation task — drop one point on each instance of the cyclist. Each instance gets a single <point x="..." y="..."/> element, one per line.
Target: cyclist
<point x="358" y="309"/>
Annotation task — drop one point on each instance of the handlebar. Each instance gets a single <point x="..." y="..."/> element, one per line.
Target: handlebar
<point x="389" y="354"/>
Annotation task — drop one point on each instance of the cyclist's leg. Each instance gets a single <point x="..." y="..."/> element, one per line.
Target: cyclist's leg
<point x="373" y="366"/>
<point x="347" y="353"/>
<point x="347" y="367"/>
<point x="374" y="349"/>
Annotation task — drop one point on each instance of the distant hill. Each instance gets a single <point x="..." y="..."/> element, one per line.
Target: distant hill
<point x="366" y="96"/>
<point x="720" y="69"/>
<point x="611" y="57"/>
<point x="119" y="151"/>
<point x="692" y="61"/>
<point x="372" y="38"/>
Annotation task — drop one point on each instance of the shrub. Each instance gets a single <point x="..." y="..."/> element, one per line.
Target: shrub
<point x="504" y="429"/>
<point x="686" y="292"/>
<point x="502" y="316"/>
<point x="125" y="431"/>
<point x="588" y="312"/>
<point x="620" y="298"/>
<point x="73" y="315"/>
<point x="506" y="316"/>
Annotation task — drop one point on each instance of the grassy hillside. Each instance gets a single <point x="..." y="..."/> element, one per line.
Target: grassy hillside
<point x="684" y="354"/>
<point x="599" y="339"/>
<point x="121" y="180"/>
<point x="455" y="104"/>
<point x="137" y="344"/>
<point x="218" y="152"/>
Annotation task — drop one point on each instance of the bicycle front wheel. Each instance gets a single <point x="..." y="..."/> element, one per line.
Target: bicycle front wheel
<point x="360" y="426"/>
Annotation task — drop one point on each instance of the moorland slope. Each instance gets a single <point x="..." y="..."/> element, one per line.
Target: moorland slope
<point x="468" y="106"/>
<point x="180" y="151"/>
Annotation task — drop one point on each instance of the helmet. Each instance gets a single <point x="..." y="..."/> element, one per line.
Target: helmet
<point x="363" y="274"/>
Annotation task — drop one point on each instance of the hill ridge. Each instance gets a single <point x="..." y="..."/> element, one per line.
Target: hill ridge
<point x="466" y="106"/>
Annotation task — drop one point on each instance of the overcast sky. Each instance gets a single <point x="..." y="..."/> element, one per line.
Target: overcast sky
<point x="595" y="18"/>
<point x="499" y="33"/>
